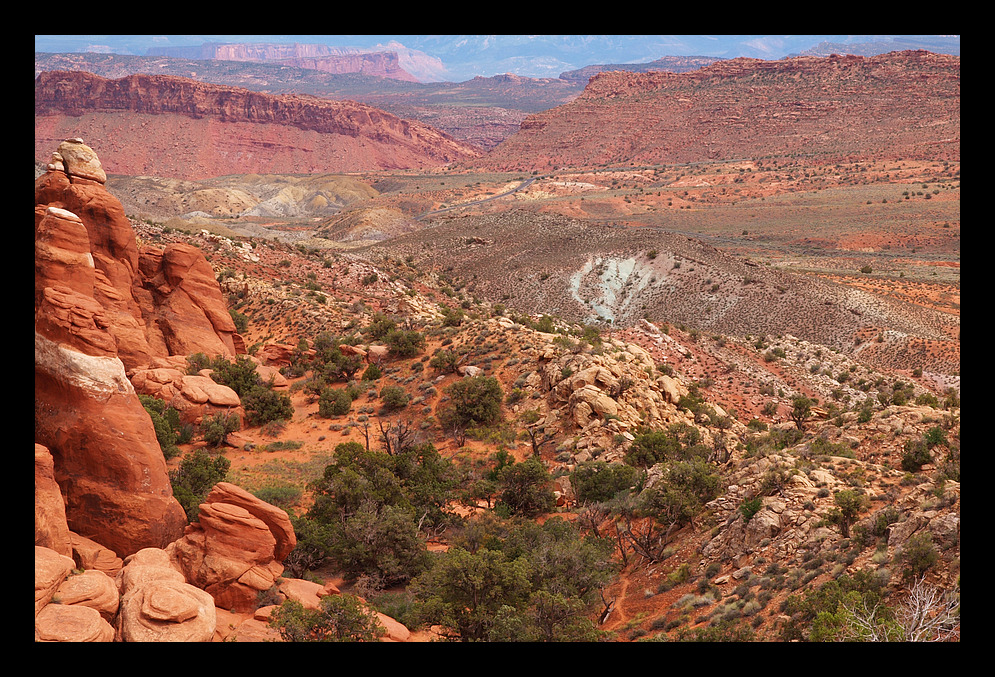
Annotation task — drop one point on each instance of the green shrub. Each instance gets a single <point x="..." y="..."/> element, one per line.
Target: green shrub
<point x="598" y="481"/>
<point x="445" y="360"/>
<point x="756" y="425"/>
<point x="238" y="374"/>
<point x="394" y="397"/>
<point x="915" y="454"/>
<point x="372" y="373"/>
<point x="918" y="556"/>
<point x="473" y="401"/>
<point x="334" y="402"/>
<point x="193" y="480"/>
<point x="380" y="325"/>
<point x="750" y="507"/>
<point x="452" y="317"/>
<point x="240" y="320"/>
<point x="263" y="405"/>
<point x="934" y="436"/>
<point x="166" y="422"/>
<point x="404" y="343"/>
<point x="849" y="504"/>
<point x="217" y="428"/>
<point x="525" y="488"/>
<point x="338" y="618"/>
<point x="884" y="519"/>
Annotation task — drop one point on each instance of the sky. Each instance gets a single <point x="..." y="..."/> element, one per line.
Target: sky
<point x="460" y="57"/>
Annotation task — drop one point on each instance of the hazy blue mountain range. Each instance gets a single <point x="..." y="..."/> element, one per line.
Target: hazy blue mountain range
<point x="456" y="58"/>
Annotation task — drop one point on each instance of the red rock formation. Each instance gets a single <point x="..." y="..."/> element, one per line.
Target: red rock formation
<point x="89" y="328"/>
<point x="236" y="548"/>
<point x="171" y="126"/>
<point x="193" y="396"/>
<point x="897" y="105"/>
<point x="100" y="261"/>
<point x="157" y="605"/>
<point x="91" y="588"/>
<point x="153" y="302"/>
<point x="51" y="529"/>
<point x="71" y="623"/>
<point x="187" y="310"/>
<point x="107" y="460"/>
<point x="51" y="569"/>
<point x="88" y="554"/>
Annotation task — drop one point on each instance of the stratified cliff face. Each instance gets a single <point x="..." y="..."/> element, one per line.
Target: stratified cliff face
<point x="171" y="126"/>
<point x="897" y="105"/>
<point x="316" y="57"/>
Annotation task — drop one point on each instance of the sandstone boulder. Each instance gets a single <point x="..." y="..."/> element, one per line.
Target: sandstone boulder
<point x="376" y="354"/>
<point x="80" y="161"/>
<point x="193" y="396"/>
<point x="671" y="388"/>
<point x="167" y="611"/>
<point x="236" y="548"/>
<point x="598" y="403"/>
<point x="764" y="524"/>
<point x="271" y="376"/>
<point x="396" y="632"/>
<point x="236" y="628"/>
<point x="278" y="354"/>
<point x="352" y="350"/>
<point x="90" y="588"/>
<point x="51" y="569"/>
<point x="273" y="517"/>
<point x="308" y="593"/>
<point x="158" y="605"/>
<point x="89" y="554"/>
<point x="60" y="623"/>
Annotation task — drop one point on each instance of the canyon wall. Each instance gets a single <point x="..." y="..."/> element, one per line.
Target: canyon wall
<point x="171" y="126"/>
<point x="897" y="105"/>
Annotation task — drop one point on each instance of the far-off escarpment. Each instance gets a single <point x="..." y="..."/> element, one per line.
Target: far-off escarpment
<point x="897" y="105"/>
<point x="167" y="126"/>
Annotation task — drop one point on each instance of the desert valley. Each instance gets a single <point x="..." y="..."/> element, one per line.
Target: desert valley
<point x="662" y="353"/>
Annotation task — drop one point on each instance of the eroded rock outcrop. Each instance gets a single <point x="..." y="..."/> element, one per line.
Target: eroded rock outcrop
<point x="236" y="549"/>
<point x="88" y="554"/>
<point x="194" y="396"/>
<point x="90" y="588"/>
<point x="107" y="460"/>
<point x="155" y="302"/>
<point x="102" y="308"/>
<point x="158" y="605"/>
<point x="51" y="529"/>
<point x="61" y="623"/>
<point x="186" y="307"/>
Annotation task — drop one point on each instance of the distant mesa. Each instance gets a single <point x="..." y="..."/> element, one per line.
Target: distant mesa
<point x="177" y="127"/>
<point x="336" y="60"/>
<point x="896" y="105"/>
<point x="670" y="64"/>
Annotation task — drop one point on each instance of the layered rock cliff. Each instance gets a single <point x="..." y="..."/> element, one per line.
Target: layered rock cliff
<point x="171" y="126"/>
<point x="315" y="57"/>
<point x="897" y="105"/>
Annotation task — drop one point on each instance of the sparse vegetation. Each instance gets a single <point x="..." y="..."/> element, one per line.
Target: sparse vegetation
<point x="427" y="494"/>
